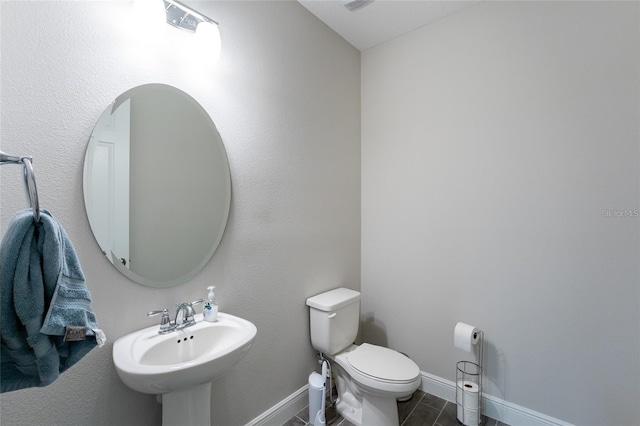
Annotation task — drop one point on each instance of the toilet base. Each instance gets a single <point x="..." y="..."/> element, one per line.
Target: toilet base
<point x="378" y="411"/>
<point x="375" y="411"/>
<point x="353" y="415"/>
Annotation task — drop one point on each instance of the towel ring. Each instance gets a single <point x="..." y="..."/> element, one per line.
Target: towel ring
<point x="29" y="180"/>
<point x="31" y="188"/>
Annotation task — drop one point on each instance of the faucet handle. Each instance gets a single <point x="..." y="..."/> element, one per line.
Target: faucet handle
<point x="195" y="302"/>
<point x="164" y="312"/>
<point x="165" y="322"/>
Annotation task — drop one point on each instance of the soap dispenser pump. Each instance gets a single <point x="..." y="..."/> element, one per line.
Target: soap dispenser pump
<point x="210" y="312"/>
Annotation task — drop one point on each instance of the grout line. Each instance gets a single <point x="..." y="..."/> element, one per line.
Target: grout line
<point x="414" y="409"/>
<point x="440" y="413"/>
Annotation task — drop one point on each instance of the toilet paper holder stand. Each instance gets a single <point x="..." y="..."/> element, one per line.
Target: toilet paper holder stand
<point x="469" y="388"/>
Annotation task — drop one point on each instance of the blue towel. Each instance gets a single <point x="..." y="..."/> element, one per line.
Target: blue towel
<point x="43" y="296"/>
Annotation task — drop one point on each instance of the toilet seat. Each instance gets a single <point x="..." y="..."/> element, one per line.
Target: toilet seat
<point x="383" y="364"/>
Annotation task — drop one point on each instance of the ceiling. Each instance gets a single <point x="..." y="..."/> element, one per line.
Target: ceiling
<point x="381" y="20"/>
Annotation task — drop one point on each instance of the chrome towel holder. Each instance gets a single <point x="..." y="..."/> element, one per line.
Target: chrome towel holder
<point x="29" y="180"/>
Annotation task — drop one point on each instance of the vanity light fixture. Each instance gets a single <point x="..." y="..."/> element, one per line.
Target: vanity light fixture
<point x="185" y="18"/>
<point x="206" y="29"/>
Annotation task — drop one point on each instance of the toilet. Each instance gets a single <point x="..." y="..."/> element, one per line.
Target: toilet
<point x="369" y="378"/>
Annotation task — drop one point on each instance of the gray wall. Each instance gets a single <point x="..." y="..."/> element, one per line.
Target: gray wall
<point x="499" y="147"/>
<point x="285" y="97"/>
<point x="494" y="141"/>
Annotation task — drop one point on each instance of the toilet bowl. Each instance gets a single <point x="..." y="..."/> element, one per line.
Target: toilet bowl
<point x="369" y="378"/>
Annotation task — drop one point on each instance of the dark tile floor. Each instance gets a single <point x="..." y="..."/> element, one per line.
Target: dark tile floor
<point x="422" y="410"/>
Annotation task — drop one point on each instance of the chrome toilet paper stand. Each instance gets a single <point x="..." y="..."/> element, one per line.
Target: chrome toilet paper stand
<point x="470" y="372"/>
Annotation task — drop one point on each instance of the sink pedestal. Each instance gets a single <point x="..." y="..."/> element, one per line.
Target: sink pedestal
<point x="187" y="407"/>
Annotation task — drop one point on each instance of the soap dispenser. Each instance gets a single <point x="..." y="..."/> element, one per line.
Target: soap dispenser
<point x="210" y="312"/>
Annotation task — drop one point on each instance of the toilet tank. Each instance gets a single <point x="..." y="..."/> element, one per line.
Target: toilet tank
<point x="334" y="319"/>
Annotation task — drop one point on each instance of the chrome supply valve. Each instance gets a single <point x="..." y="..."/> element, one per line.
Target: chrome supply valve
<point x="166" y="326"/>
<point x="185" y="313"/>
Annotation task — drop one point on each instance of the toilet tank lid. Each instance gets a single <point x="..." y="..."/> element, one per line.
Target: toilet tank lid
<point x="333" y="299"/>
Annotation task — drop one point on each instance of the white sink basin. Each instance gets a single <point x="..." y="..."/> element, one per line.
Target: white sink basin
<point x="154" y="363"/>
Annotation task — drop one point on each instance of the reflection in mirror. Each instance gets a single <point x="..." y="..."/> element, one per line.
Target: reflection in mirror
<point x="157" y="186"/>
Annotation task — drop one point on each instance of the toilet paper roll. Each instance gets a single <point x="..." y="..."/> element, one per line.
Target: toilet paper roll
<point x="468" y="417"/>
<point x="465" y="336"/>
<point x="467" y="394"/>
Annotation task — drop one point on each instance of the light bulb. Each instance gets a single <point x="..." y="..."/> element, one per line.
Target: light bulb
<point x="149" y="15"/>
<point x="208" y="39"/>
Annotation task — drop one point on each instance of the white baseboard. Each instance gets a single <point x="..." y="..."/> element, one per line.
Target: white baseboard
<point x="496" y="408"/>
<point x="284" y="410"/>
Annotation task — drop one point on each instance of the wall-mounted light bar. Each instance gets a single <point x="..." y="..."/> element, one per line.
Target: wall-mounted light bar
<point x="183" y="17"/>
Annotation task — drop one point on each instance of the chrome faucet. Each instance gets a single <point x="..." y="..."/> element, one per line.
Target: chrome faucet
<point x="185" y="314"/>
<point x="184" y="317"/>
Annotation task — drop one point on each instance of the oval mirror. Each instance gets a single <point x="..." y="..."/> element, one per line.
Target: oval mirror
<point x="157" y="185"/>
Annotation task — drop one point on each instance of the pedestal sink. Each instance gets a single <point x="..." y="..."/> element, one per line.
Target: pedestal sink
<point x="181" y="365"/>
